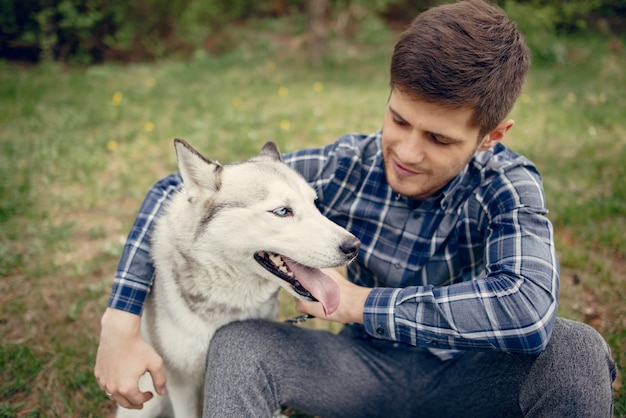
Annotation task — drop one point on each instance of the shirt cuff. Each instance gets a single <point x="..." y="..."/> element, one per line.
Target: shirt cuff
<point x="379" y="312"/>
<point x="128" y="296"/>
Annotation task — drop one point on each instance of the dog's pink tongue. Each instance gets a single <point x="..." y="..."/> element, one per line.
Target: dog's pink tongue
<point x="320" y="285"/>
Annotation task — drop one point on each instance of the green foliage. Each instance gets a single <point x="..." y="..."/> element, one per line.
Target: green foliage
<point x="84" y="31"/>
<point x="565" y="15"/>
<point x="544" y="19"/>
<point x="537" y="25"/>
<point x="19" y="367"/>
<point x="87" y="31"/>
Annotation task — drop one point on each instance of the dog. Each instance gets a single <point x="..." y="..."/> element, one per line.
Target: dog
<point x="229" y="240"/>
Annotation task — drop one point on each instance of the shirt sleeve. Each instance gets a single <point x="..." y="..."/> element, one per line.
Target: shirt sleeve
<point x="133" y="278"/>
<point x="512" y="308"/>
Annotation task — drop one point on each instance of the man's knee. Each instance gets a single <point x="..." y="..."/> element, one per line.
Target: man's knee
<point x="574" y="373"/>
<point x="579" y="343"/>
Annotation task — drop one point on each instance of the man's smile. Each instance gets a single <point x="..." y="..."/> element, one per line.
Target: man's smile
<point x="404" y="170"/>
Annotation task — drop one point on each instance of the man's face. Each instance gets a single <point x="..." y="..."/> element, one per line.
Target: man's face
<point x="424" y="145"/>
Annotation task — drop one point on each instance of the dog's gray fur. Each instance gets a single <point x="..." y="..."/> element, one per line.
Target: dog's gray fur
<point x="204" y="251"/>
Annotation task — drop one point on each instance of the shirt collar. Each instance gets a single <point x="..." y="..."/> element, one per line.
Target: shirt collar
<point x="453" y="191"/>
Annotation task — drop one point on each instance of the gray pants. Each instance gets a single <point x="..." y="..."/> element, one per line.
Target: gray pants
<point x="256" y="367"/>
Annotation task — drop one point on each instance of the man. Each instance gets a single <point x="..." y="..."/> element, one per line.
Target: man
<point x="451" y="304"/>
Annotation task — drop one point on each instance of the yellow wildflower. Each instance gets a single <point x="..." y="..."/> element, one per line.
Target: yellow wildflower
<point x="117" y="98"/>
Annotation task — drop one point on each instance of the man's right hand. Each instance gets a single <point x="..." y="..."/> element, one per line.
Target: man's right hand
<point x="123" y="357"/>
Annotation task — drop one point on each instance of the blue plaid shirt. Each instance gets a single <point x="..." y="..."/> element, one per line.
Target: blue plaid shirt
<point x="471" y="268"/>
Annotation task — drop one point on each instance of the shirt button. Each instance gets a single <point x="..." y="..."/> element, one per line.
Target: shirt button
<point x="434" y="343"/>
<point x="398" y="266"/>
<point x="380" y="330"/>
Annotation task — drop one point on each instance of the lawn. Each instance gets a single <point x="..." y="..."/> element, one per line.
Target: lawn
<point x="80" y="146"/>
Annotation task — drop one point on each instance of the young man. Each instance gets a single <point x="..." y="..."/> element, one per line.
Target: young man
<point x="451" y="304"/>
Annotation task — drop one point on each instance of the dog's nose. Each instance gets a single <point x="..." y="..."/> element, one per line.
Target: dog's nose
<point x="350" y="247"/>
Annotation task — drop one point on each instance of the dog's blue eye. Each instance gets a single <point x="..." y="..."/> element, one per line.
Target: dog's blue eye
<point x="282" y="212"/>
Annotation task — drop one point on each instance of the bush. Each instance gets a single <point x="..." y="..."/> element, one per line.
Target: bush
<point x="87" y="31"/>
<point x="544" y="19"/>
<point x="65" y="30"/>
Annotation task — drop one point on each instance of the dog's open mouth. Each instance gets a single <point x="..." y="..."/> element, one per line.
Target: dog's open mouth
<point x="309" y="283"/>
<point x="275" y="264"/>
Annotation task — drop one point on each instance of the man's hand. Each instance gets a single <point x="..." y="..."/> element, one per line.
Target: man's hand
<point x="123" y="357"/>
<point x="351" y="303"/>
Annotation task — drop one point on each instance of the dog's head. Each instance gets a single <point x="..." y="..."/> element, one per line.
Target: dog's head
<point x="260" y="217"/>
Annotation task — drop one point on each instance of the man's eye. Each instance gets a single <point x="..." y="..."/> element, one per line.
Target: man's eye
<point x="282" y="212"/>
<point x="439" y="140"/>
<point x="399" y="122"/>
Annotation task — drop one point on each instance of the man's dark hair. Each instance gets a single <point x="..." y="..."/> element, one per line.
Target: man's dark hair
<point x="463" y="55"/>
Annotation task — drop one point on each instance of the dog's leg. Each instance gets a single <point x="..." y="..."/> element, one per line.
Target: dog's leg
<point x="185" y="397"/>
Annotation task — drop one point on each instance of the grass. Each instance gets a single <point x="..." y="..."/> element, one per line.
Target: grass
<point x="79" y="147"/>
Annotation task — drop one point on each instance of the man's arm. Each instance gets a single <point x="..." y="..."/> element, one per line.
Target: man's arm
<point x="503" y="311"/>
<point x="512" y="308"/>
<point x="123" y="355"/>
<point x="133" y="279"/>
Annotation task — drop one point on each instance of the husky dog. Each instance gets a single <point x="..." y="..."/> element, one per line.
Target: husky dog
<point x="229" y="240"/>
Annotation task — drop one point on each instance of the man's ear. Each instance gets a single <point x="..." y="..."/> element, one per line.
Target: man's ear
<point x="497" y="135"/>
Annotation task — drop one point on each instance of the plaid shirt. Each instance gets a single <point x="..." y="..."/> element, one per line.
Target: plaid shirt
<point x="471" y="268"/>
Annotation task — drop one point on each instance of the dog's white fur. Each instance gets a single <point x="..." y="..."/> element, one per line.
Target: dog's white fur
<point x="203" y="249"/>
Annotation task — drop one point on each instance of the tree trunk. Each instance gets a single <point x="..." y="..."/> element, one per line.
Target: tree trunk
<point x="316" y="10"/>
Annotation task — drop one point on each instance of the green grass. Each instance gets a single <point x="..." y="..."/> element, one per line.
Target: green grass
<point x="79" y="147"/>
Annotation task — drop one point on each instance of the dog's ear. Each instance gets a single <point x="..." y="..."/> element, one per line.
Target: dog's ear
<point x="198" y="172"/>
<point x="270" y="149"/>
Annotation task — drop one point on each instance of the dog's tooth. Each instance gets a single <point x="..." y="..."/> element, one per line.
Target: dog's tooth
<point x="287" y="272"/>
<point x="284" y="269"/>
<point x="275" y="258"/>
